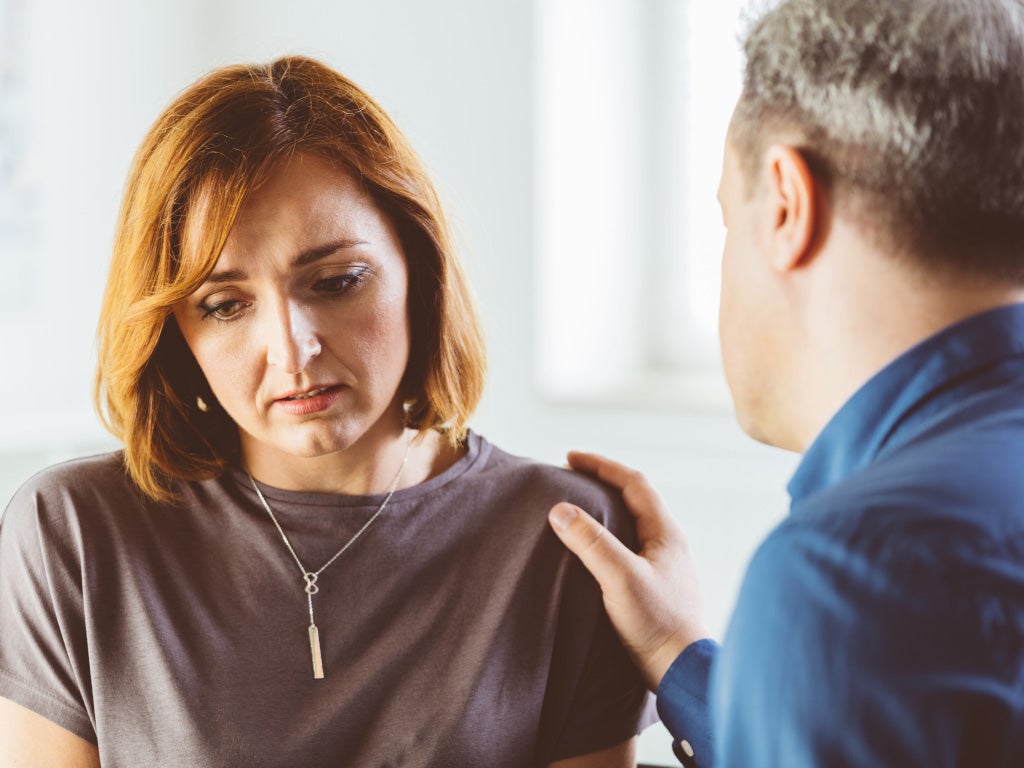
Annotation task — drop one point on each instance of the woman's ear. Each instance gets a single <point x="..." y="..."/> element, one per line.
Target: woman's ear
<point x="793" y="199"/>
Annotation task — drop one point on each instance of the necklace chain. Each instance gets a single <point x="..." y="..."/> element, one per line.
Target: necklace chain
<point x="310" y="577"/>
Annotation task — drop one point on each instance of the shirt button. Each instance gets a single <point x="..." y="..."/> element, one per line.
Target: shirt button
<point x="687" y="749"/>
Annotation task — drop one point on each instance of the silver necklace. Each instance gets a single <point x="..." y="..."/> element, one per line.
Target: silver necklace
<point x="310" y="577"/>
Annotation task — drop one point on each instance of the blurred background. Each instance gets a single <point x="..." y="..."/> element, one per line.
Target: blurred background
<point x="577" y="144"/>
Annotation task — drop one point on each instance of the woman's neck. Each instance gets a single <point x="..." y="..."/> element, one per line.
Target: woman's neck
<point x="368" y="467"/>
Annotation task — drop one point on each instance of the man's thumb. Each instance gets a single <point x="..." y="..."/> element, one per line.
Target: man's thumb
<point x="604" y="556"/>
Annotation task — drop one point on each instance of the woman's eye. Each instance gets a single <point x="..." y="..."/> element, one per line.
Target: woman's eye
<point x="224" y="310"/>
<point x="338" y="283"/>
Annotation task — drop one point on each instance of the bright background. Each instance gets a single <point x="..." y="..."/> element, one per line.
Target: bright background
<point x="577" y="144"/>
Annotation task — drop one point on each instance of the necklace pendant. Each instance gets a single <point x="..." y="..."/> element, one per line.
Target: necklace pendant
<point x="314" y="647"/>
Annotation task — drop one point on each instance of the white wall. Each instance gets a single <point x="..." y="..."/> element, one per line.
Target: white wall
<point x="98" y="73"/>
<point x="458" y="76"/>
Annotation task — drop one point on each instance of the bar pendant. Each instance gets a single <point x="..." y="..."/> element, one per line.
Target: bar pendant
<point x="314" y="647"/>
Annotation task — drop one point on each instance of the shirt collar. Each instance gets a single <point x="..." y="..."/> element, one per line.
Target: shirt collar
<point x="882" y="410"/>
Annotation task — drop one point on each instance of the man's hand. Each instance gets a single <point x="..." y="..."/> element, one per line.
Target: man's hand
<point x="652" y="597"/>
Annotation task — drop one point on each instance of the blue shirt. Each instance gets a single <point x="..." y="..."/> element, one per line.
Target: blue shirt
<point x="882" y="623"/>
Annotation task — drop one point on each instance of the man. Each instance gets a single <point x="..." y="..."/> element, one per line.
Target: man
<point x="871" y="318"/>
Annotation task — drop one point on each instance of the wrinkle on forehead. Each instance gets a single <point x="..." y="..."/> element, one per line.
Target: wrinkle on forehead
<point x="288" y="216"/>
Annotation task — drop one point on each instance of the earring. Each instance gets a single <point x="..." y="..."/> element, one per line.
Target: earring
<point x="201" y="404"/>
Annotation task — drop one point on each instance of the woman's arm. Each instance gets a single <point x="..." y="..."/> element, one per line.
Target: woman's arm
<point x="620" y="756"/>
<point x="28" y="740"/>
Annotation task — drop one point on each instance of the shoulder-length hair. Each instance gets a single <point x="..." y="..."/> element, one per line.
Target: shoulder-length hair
<point x="217" y="141"/>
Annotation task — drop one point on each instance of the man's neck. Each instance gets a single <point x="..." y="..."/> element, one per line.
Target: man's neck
<point x="868" y="309"/>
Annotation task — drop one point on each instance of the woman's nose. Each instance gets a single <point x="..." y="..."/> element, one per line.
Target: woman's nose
<point x="291" y="339"/>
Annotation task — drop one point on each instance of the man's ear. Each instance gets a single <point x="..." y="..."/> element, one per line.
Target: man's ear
<point x="793" y="199"/>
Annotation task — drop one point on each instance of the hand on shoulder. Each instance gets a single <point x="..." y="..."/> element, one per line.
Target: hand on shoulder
<point x="652" y="597"/>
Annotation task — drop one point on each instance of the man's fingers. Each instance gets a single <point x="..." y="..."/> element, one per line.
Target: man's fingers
<point x="607" y="558"/>
<point x="611" y="472"/>
<point x="643" y="502"/>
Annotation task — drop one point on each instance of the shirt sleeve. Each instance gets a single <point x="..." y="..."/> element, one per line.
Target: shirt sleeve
<point x="596" y="698"/>
<point x="845" y="655"/>
<point x="683" y="704"/>
<point x="42" y="637"/>
<point x="610" y="703"/>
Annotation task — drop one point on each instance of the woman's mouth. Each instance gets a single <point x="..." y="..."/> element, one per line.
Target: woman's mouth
<point x="307" y="395"/>
<point x="310" y="401"/>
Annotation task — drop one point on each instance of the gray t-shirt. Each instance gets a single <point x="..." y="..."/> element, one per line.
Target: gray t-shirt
<point x="456" y="632"/>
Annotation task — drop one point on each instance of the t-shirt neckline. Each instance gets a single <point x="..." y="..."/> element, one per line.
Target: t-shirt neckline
<point x="477" y="448"/>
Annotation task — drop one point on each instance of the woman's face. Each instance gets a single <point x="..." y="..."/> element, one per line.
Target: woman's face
<point x="302" y="329"/>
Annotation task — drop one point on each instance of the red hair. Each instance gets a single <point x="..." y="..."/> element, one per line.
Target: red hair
<point x="204" y="154"/>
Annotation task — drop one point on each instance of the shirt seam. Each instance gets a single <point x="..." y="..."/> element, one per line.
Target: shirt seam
<point x="414" y="494"/>
<point x="46" y="694"/>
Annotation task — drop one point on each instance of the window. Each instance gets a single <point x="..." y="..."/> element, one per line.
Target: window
<point x="635" y="100"/>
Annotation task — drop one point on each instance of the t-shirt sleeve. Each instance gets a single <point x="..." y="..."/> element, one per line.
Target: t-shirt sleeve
<point x="596" y="698"/>
<point x="43" y="654"/>
<point x="610" y="704"/>
<point x="838" y="655"/>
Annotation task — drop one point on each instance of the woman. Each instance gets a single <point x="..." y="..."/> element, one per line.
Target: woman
<point x="302" y="556"/>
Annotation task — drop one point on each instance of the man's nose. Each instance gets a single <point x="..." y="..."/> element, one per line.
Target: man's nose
<point x="292" y="340"/>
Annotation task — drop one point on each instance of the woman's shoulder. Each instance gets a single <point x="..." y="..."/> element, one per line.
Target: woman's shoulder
<point x="549" y="484"/>
<point x="103" y="471"/>
<point x="54" y="504"/>
<point x="66" y="489"/>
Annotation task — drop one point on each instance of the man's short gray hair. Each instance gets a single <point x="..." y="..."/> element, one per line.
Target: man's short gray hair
<point x="913" y="109"/>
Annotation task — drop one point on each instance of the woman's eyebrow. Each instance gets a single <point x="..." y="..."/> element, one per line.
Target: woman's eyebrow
<point x="304" y="258"/>
<point x="225" y="276"/>
<point x="311" y="255"/>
